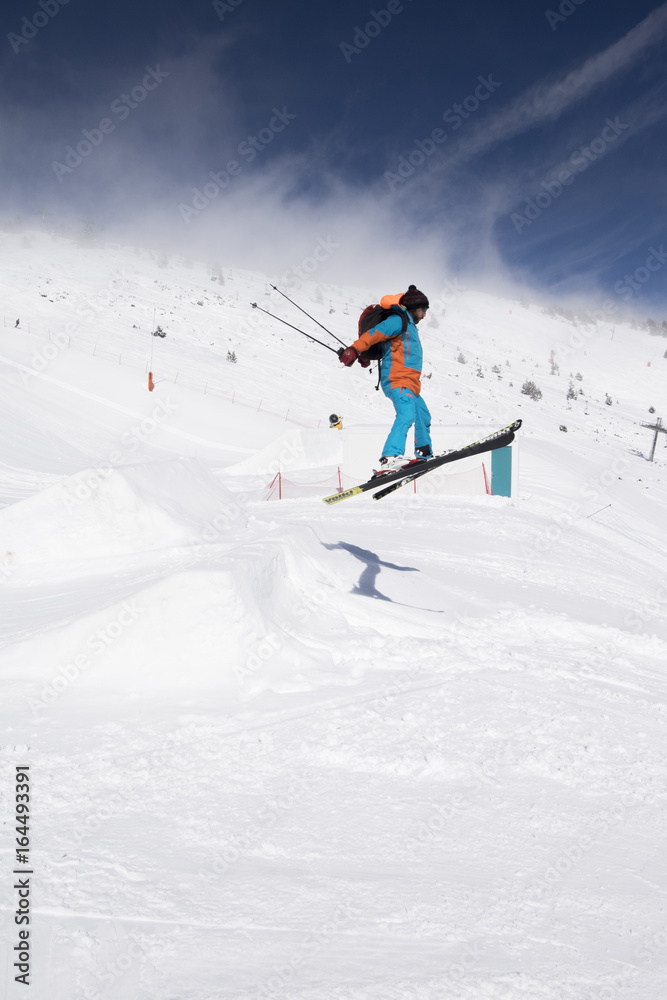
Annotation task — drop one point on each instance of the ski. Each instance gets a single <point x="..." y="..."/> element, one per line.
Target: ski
<point x="500" y="439"/>
<point x="391" y="481"/>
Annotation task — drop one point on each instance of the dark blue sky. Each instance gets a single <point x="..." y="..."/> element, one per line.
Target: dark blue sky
<point x="491" y="141"/>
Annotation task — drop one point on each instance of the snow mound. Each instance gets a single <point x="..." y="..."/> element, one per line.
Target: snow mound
<point x="116" y="511"/>
<point x="238" y="621"/>
<point x="243" y="620"/>
<point x="293" y="450"/>
<point x="189" y="628"/>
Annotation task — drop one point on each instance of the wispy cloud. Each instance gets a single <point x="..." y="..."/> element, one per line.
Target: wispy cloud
<point x="469" y="199"/>
<point x="548" y="101"/>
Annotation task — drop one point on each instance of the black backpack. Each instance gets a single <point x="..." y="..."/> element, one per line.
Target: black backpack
<point x="371" y="317"/>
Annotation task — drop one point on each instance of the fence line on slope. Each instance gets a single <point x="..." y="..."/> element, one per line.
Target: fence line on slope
<point x="446" y="482"/>
<point x="206" y="387"/>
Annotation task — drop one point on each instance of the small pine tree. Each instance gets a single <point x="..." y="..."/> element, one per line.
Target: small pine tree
<point x="231" y="356"/>
<point x="608" y="400"/>
<point x="571" y="392"/>
<point x="530" y="389"/>
<point x="461" y="360"/>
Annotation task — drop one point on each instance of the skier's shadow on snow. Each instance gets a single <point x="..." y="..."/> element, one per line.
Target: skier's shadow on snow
<point x="373" y="566"/>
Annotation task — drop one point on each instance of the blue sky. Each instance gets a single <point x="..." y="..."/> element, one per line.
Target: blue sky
<point x="522" y="142"/>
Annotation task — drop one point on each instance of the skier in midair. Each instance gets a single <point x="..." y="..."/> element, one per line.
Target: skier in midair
<point x="401" y="367"/>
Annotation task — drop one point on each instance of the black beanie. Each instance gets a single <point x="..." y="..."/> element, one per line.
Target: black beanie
<point x="414" y="299"/>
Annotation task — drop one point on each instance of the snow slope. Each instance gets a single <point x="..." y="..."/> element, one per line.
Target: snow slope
<point x="408" y="749"/>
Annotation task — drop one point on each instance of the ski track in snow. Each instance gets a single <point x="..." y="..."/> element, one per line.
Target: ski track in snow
<point x="413" y="749"/>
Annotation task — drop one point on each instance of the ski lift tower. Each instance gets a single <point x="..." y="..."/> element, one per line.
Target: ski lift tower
<point x="658" y="429"/>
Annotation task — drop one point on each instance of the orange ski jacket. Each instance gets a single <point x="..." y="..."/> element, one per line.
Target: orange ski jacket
<point x="402" y="355"/>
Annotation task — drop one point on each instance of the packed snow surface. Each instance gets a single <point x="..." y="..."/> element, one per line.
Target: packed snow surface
<point x="408" y="749"/>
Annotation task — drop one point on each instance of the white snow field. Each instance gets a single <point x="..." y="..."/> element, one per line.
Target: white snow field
<point x="412" y="748"/>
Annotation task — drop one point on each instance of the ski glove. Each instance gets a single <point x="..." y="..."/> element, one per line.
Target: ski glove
<point x="348" y="356"/>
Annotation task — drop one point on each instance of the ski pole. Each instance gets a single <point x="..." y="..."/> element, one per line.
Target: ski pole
<point x="307" y="314"/>
<point x="255" y="306"/>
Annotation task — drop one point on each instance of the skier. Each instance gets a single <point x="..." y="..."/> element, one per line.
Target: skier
<point x="401" y="367"/>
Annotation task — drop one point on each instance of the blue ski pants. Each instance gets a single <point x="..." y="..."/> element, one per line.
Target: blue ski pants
<point x="410" y="409"/>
